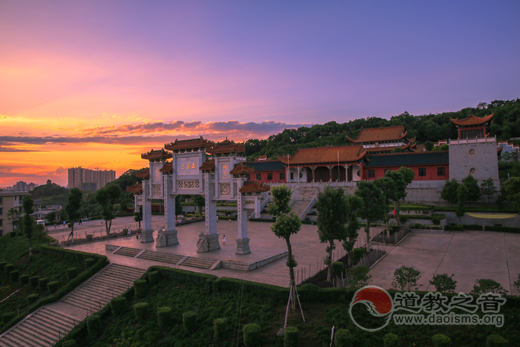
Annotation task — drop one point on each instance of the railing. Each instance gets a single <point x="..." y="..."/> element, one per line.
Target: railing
<point x="307" y="209"/>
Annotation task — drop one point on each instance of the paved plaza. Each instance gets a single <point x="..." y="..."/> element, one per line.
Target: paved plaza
<point x="468" y="255"/>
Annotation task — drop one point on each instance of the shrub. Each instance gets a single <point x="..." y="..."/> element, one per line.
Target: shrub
<point x="405" y="278"/>
<point x="436" y="219"/>
<point x="153" y="277"/>
<point x="6" y="317"/>
<point x="33" y="281"/>
<point x="291" y="337"/>
<point x="118" y="305"/>
<point x="252" y="335"/>
<point x="164" y="316"/>
<point x="391" y="340"/>
<point x="8" y="268"/>
<point x="24" y="279"/>
<point x="89" y="262"/>
<point x="220" y="329"/>
<point x="309" y="287"/>
<point x="42" y="283"/>
<point x="484" y="286"/>
<point x="71" y="273"/>
<point x="403" y="219"/>
<point x="141" y="311"/>
<point x="12" y="234"/>
<point x="90" y="237"/>
<point x="31" y="299"/>
<point x="444" y="283"/>
<point x="343" y="338"/>
<point x="358" y="253"/>
<point x="496" y="341"/>
<point x="94" y="325"/>
<point x="69" y="343"/>
<point x="189" y="320"/>
<point x="337" y="268"/>
<point x="140" y="288"/>
<point x="15" y="275"/>
<point x="440" y="340"/>
<point x="53" y="286"/>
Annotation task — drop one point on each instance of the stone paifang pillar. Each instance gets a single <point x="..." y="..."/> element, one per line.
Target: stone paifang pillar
<point x="147" y="232"/>
<point x="169" y="212"/>
<point x="242" y="240"/>
<point x="211" y="215"/>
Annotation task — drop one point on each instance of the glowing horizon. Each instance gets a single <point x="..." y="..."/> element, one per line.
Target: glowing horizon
<point x="94" y="84"/>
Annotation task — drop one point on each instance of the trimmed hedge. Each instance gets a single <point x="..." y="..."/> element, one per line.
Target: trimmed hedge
<point x="14" y="275"/>
<point x="472" y="227"/>
<point x="42" y="283"/>
<point x="71" y="273"/>
<point x="69" y="343"/>
<point x="440" y="340"/>
<point x="505" y="229"/>
<point x="189" y="320"/>
<point x="391" y="340"/>
<point x="118" y="305"/>
<point x="99" y="263"/>
<point x="220" y="329"/>
<point x="24" y="279"/>
<point x="153" y="277"/>
<point x="31" y="299"/>
<point x="8" y="268"/>
<point x="496" y="341"/>
<point x="33" y="281"/>
<point x="164" y="316"/>
<point x="141" y="311"/>
<point x="252" y="335"/>
<point x="53" y="286"/>
<point x="140" y="288"/>
<point x="343" y="338"/>
<point x="453" y="228"/>
<point x="337" y="268"/>
<point x="291" y="337"/>
<point x="94" y="326"/>
<point x="89" y="262"/>
<point x="2" y="265"/>
<point x="6" y="317"/>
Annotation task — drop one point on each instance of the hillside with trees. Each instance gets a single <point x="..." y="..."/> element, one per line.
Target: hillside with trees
<point x="430" y="127"/>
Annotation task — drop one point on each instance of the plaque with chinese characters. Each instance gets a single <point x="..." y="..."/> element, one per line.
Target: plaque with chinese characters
<point x="187" y="166"/>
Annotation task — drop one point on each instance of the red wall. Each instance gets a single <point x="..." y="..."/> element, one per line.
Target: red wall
<point x="431" y="172"/>
<point x="276" y="176"/>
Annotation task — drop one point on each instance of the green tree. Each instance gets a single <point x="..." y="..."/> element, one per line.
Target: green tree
<point x="487" y="187"/>
<point x="449" y="191"/>
<point x="428" y="145"/>
<point x="485" y="286"/>
<point x="512" y="191"/>
<point x="106" y="197"/>
<point x="405" y="278"/>
<point x="178" y="205"/>
<point x="138" y="216"/>
<point x="332" y="221"/>
<point x="402" y="178"/>
<point x="13" y="214"/>
<point x="200" y="201"/>
<point x="372" y="205"/>
<point x="353" y="204"/>
<point x="462" y="196"/>
<point x="73" y="206"/>
<point x="389" y="190"/>
<point x="287" y="222"/>
<point x="471" y="184"/>
<point x="358" y="277"/>
<point x="28" y="222"/>
<point x="444" y="283"/>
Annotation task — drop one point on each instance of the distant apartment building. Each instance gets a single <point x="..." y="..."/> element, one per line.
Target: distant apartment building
<point x="22" y="186"/>
<point x="92" y="180"/>
<point x="9" y="199"/>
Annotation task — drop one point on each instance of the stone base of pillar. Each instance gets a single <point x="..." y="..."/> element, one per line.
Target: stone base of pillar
<point x="171" y="237"/>
<point x="243" y="247"/>
<point x="147" y="236"/>
<point x="212" y="243"/>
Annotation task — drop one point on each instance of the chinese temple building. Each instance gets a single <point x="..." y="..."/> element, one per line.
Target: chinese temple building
<point x="384" y="140"/>
<point x="472" y="127"/>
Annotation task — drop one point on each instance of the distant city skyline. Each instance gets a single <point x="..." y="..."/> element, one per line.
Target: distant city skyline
<point x="97" y="83"/>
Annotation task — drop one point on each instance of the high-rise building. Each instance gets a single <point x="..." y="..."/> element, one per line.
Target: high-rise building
<point x="91" y="179"/>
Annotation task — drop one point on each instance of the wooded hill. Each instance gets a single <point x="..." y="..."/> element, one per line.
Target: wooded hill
<point x="430" y="127"/>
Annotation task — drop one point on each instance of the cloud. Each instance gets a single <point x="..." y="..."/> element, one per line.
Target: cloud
<point x="61" y="170"/>
<point x="12" y="149"/>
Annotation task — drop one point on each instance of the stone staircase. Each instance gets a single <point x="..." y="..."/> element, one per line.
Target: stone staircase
<point x="200" y="263"/>
<point x="97" y="292"/>
<point x="161" y="257"/>
<point x="129" y="252"/>
<point x="46" y="326"/>
<point x="299" y="207"/>
<point x="42" y="328"/>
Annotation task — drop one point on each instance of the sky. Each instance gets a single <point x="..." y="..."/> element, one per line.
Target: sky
<point x="96" y="83"/>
